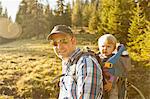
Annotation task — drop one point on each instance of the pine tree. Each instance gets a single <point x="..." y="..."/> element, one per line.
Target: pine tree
<point x="86" y="13"/>
<point x="60" y="7"/>
<point x="32" y="19"/>
<point x="77" y="14"/>
<point x="145" y="47"/>
<point x="93" y="1"/>
<point x="67" y="15"/>
<point x="86" y="2"/>
<point x="49" y="17"/>
<point x="5" y="14"/>
<point x="0" y="9"/>
<point x="93" y="22"/>
<point x="62" y="15"/>
<point x="145" y="4"/>
<point x="106" y="16"/>
<point x="93" y="18"/>
<point x="136" y="32"/>
<point x="21" y="16"/>
<point x="114" y="18"/>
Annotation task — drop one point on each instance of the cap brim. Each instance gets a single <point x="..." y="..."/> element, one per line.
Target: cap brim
<point x="49" y="37"/>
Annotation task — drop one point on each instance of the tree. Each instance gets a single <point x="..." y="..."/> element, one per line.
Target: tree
<point x="62" y="13"/>
<point x="49" y="18"/>
<point x="86" y="2"/>
<point x="67" y="15"/>
<point x="106" y="9"/>
<point x="93" y="22"/>
<point x="21" y="17"/>
<point x="60" y="7"/>
<point x="145" y="46"/>
<point x="92" y="1"/>
<point x="77" y="14"/>
<point x="114" y="18"/>
<point x="32" y="19"/>
<point x="0" y="9"/>
<point x="136" y="32"/>
<point x="86" y="13"/>
<point x="145" y="4"/>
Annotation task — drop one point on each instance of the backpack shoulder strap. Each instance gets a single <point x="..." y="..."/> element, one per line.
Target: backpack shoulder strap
<point x="88" y="52"/>
<point x="83" y="53"/>
<point x="112" y="60"/>
<point x="75" y="59"/>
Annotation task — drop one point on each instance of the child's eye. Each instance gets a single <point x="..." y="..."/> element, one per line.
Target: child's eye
<point x="102" y="46"/>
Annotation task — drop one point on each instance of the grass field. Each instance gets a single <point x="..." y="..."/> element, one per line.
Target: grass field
<point x="27" y="68"/>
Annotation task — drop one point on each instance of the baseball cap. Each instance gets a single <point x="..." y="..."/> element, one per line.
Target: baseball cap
<point x="60" y="29"/>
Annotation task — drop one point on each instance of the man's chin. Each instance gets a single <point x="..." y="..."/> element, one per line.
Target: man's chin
<point x="61" y="56"/>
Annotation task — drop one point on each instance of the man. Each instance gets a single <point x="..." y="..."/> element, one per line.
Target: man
<point x="81" y="79"/>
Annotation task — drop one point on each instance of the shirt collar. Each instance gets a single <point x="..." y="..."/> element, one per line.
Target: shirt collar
<point x="73" y="55"/>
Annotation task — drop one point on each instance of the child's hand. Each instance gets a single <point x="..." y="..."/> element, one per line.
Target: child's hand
<point x="108" y="86"/>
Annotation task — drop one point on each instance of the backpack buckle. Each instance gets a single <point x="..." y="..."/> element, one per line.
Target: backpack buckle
<point x="108" y="65"/>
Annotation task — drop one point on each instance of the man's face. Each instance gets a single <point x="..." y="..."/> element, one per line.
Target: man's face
<point x="106" y="49"/>
<point x="63" y="45"/>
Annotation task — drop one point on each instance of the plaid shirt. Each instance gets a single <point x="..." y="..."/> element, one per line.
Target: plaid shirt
<point x="82" y="80"/>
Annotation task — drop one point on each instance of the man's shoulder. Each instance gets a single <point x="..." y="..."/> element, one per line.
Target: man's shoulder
<point x="87" y="55"/>
<point x="88" y="58"/>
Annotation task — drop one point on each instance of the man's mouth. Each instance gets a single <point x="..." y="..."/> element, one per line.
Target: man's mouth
<point x="61" y="52"/>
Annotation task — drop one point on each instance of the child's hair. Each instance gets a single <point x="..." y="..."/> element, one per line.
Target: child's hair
<point x="107" y="38"/>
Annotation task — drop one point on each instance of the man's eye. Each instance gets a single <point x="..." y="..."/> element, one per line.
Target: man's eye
<point x="55" y="43"/>
<point x="64" y="41"/>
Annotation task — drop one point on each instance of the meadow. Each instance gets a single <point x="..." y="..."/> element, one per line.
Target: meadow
<point x="27" y="68"/>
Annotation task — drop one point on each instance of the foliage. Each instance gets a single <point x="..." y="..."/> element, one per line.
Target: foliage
<point x="32" y="19"/>
<point x="0" y="9"/>
<point x="76" y="14"/>
<point x="62" y="15"/>
<point x="60" y="7"/>
<point x="93" y="22"/>
<point x="145" y="54"/>
<point x="136" y="32"/>
<point x="86" y="14"/>
<point x="145" y="4"/>
<point x="114" y="18"/>
<point x="37" y="19"/>
<point x="94" y="19"/>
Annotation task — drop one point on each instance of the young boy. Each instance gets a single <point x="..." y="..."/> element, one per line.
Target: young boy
<point x="113" y="75"/>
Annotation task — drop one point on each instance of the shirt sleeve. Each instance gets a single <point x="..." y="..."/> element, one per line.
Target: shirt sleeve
<point x="89" y="79"/>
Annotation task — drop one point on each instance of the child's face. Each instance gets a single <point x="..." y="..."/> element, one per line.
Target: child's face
<point x="106" y="49"/>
